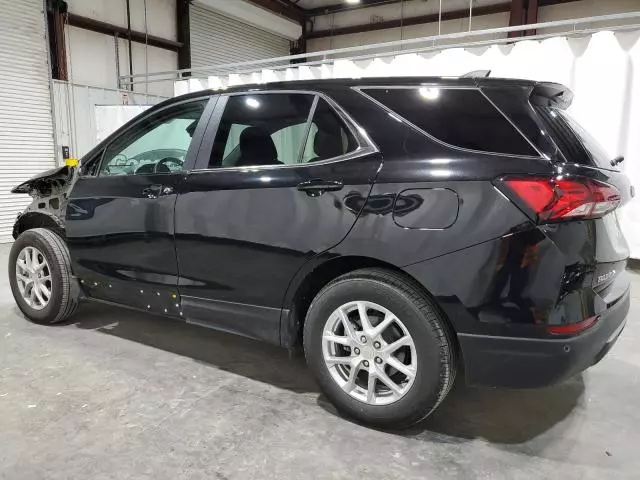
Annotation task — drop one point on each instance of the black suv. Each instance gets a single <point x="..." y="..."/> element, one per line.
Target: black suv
<point x="401" y="230"/>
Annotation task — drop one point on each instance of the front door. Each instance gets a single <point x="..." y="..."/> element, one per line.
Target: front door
<point x="268" y="193"/>
<point x="120" y="215"/>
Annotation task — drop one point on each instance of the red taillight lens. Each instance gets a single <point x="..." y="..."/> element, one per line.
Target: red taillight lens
<point x="554" y="199"/>
<point x="572" y="328"/>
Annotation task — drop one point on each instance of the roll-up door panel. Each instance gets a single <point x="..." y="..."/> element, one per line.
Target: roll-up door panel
<point x="26" y="125"/>
<point x="217" y="39"/>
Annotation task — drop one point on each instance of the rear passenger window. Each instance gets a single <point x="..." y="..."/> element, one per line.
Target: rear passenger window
<point x="460" y="117"/>
<point x="328" y="135"/>
<point x="261" y="129"/>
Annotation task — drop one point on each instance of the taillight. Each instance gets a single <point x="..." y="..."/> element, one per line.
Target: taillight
<point x="556" y="199"/>
<point x="572" y="328"/>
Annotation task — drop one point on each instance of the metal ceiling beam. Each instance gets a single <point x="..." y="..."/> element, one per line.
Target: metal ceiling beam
<point x="396" y="23"/>
<point x="341" y="7"/>
<point x="432" y="18"/>
<point x="110" y="29"/>
<point x="284" y="8"/>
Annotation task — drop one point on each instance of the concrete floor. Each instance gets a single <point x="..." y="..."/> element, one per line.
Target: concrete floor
<point x="128" y="395"/>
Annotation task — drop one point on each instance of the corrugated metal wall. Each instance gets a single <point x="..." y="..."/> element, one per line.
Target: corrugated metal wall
<point x="216" y="39"/>
<point x="26" y="125"/>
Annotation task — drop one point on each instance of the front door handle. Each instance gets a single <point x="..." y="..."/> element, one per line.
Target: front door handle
<point x="315" y="188"/>
<point x="155" y="191"/>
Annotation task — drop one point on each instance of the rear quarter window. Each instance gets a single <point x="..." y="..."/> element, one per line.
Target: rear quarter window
<point x="573" y="140"/>
<point x="459" y="117"/>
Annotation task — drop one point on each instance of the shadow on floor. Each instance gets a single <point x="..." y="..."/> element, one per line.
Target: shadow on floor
<point x="501" y="415"/>
<point x="496" y="415"/>
<point x="243" y="356"/>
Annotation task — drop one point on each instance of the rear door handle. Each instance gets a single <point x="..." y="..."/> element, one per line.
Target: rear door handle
<point x="315" y="188"/>
<point x="155" y="191"/>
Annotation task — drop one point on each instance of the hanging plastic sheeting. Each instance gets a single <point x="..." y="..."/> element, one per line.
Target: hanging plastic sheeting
<point x="602" y="69"/>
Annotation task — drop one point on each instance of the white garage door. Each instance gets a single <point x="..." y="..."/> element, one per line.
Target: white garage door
<point x="26" y="127"/>
<point x="216" y="39"/>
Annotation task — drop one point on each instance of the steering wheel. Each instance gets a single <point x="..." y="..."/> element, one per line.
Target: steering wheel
<point x="164" y="161"/>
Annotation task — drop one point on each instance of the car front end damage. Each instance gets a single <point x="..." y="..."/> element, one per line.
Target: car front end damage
<point x="50" y="193"/>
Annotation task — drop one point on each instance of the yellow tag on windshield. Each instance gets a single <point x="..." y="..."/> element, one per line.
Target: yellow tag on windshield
<point x="71" y="162"/>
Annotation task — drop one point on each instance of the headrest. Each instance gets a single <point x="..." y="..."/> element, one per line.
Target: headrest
<point x="257" y="147"/>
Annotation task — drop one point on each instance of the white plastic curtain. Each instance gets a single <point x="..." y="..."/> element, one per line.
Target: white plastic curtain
<point x="602" y="69"/>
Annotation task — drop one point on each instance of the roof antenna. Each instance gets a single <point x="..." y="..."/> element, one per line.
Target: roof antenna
<point x="477" y="74"/>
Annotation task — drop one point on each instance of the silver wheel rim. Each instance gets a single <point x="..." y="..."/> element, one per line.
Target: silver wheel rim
<point x="369" y="353"/>
<point x="33" y="276"/>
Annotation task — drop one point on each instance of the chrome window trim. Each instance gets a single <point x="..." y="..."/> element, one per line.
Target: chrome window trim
<point x="427" y="134"/>
<point x="365" y="145"/>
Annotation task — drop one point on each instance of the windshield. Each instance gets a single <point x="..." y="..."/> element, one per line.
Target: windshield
<point x="573" y="140"/>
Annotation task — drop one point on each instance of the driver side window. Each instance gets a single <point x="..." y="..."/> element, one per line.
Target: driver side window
<point x="156" y="145"/>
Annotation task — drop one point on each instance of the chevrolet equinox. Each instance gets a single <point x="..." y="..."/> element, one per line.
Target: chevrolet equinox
<point x="401" y="230"/>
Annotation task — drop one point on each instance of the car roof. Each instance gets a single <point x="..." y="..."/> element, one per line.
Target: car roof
<point x="331" y="84"/>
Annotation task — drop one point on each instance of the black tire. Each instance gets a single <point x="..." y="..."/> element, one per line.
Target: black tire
<point x="433" y="339"/>
<point x="64" y="299"/>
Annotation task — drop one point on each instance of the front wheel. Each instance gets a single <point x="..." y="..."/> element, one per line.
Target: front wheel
<point x="40" y="277"/>
<point x="380" y="348"/>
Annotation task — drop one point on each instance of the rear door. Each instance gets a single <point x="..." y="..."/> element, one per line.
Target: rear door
<point x="267" y="195"/>
<point x="120" y="215"/>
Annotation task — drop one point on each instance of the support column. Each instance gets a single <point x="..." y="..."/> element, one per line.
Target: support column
<point x="532" y="15"/>
<point x="518" y="17"/>
<point x="183" y="30"/>
<point x="56" y="11"/>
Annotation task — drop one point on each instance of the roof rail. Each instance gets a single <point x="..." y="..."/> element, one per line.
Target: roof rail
<point x="477" y="74"/>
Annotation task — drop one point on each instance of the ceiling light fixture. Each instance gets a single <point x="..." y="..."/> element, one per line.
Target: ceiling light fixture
<point x="352" y="2"/>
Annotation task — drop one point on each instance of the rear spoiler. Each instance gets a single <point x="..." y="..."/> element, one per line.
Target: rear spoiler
<point x="551" y="95"/>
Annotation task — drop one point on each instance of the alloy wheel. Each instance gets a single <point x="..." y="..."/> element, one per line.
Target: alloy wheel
<point x="369" y="353"/>
<point x="33" y="277"/>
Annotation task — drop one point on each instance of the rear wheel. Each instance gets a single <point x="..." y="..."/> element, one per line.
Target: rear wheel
<point x="379" y="348"/>
<point x="40" y="276"/>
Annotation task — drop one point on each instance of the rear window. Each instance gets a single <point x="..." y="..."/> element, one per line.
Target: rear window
<point x="459" y="117"/>
<point x="576" y="144"/>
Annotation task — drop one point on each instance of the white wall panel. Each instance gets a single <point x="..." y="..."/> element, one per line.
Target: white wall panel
<point x="413" y="31"/>
<point x="587" y="8"/>
<point x="577" y="9"/>
<point x="161" y="14"/>
<point x="147" y="59"/>
<point x="393" y="11"/>
<point x="161" y="17"/>
<point x="91" y="58"/>
<point x="109" y="11"/>
<point x="75" y="117"/>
